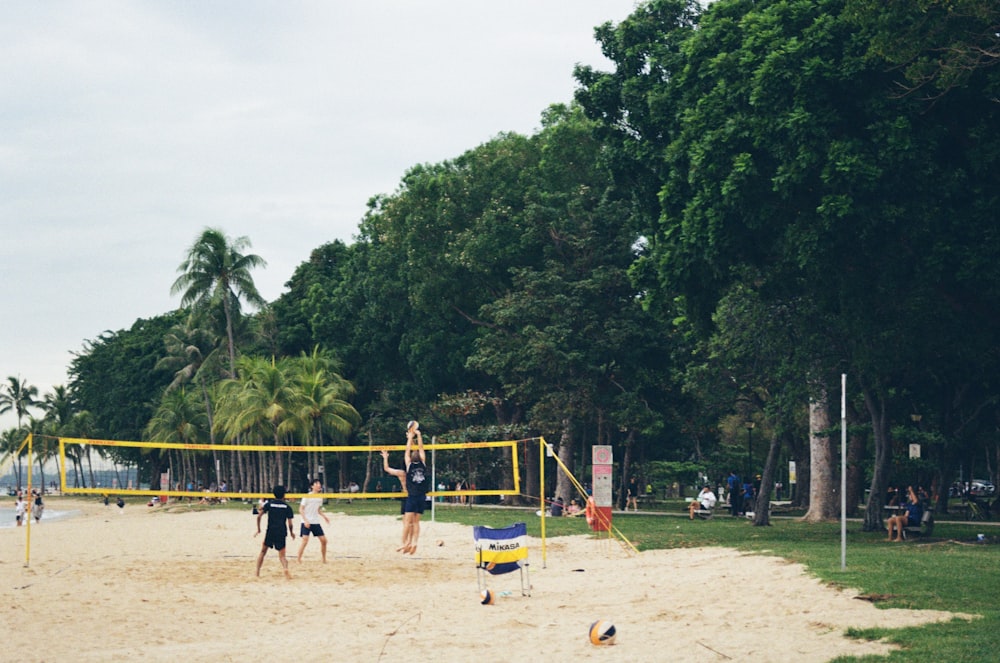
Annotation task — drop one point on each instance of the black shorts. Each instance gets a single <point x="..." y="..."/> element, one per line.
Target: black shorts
<point x="276" y="540"/>
<point x="315" y="529"/>
<point x="414" y="504"/>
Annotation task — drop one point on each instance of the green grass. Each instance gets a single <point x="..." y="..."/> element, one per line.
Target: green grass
<point x="948" y="572"/>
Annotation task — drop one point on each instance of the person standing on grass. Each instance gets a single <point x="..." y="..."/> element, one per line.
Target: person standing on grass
<point x="279" y="515"/>
<point x="311" y="510"/>
<point x="632" y="494"/>
<point x="735" y="487"/>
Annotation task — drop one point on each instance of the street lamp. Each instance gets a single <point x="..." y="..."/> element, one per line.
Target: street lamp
<point x="749" y="426"/>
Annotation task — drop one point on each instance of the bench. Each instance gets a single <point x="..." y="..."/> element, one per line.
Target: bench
<point x="924" y="528"/>
<point x="701" y="514"/>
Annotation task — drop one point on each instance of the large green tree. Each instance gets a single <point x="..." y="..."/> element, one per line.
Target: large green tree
<point x="116" y="378"/>
<point x="784" y="149"/>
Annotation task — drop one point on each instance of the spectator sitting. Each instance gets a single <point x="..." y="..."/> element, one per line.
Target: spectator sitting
<point x="557" y="507"/>
<point x="912" y="514"/>
<point x="706" y="501"/>
<point x="574" y="508"/>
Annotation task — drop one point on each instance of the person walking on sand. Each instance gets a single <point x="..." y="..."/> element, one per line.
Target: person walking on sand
<point x="279" y="515"/>
<point x="20" y="509"/>
<point x="39" y="507"/>
<point x="311" y="510"/>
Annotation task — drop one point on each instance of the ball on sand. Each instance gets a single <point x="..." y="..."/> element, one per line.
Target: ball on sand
<point x="486" y="597"/>
<point x="602" y="632"/>
<point x="440" y="542"/>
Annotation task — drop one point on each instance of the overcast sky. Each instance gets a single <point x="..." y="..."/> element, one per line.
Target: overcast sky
<point x="126" y="128"/>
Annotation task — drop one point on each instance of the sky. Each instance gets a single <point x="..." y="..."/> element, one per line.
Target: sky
<point x="127" y="128"/>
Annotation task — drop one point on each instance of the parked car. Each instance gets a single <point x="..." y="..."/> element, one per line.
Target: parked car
<point x="977" y="488"/>
<point x="982" y="488"/>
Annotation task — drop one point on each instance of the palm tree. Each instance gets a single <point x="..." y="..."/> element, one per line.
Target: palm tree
<point x="216" y="272"/>
<point x="59" y="412"/>
<point x="192" y="352"/>
<point x="261" y="401"/>
<point x="10" y="442"/>
<point x="323" y="405"/>
<point x="179" y="418"/>
<point x="83" y="426"/>
<point x="17" y="396"/>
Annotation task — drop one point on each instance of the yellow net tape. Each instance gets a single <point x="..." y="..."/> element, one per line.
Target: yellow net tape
<point x="265" y="448"/>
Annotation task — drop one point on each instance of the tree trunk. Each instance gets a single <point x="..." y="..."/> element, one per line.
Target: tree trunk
<point x="762" y="507"/>
<point x="883" y="459"/>
<point x="822" y="493"/>
<point x="564" y="487"/>
<point x="626" y="473"/>
<point x="855" y="459"/>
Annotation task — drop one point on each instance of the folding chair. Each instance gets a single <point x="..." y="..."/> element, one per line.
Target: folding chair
<point x="500" y="551"/>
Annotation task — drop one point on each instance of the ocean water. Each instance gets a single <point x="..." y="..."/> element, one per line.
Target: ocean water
<point x="7" y="516"/>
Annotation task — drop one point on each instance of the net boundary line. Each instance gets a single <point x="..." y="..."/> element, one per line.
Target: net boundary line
<point x="138" y="492"/>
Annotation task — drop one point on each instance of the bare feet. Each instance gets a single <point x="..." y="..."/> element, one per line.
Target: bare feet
<point x="288" y="574"/>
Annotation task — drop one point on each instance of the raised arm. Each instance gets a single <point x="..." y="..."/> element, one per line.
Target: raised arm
<point x="420" y="447"/>
<point x="400" y="474"/>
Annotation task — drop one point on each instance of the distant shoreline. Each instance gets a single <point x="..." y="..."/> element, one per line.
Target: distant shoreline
<point x="7" y="516"/>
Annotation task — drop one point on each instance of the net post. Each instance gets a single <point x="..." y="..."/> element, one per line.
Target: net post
<point x="433" y="475"/>
<point x="541" y="482"/>
<point x="27" y="534"/>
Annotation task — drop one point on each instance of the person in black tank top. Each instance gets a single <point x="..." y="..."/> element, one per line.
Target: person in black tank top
<point x="417" y="486"/>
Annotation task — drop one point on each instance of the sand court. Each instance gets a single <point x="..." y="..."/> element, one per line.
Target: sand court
<point x="178" y="584"/>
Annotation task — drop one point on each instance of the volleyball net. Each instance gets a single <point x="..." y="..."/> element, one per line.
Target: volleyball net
<point x="294" y="466"/>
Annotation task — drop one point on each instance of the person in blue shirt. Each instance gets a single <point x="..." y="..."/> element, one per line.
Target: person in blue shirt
<point x="911" y="515"/>
<point x="735" y="487"/>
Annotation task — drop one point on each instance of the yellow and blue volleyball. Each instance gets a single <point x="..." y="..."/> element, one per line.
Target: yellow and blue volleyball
<point x="487" y="597"/>
<point x="602" y="632"/>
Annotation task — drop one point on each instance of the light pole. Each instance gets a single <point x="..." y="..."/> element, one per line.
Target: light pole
<point x="749" y="426"/>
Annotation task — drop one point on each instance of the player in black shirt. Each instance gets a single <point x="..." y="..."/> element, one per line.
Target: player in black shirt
<point x="279" y="516"/>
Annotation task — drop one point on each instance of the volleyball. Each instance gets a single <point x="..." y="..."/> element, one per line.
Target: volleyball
<point x="486" y="597"/>
<point x="602" y="632"/>
<point x="412" y="425"/>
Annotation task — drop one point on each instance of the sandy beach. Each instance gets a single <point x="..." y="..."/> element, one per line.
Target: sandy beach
<point x="162" y="584"/>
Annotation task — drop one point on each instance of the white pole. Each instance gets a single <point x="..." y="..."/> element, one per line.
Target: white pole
<point x="433" y="472"/>
<point x="843" y="471"/>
